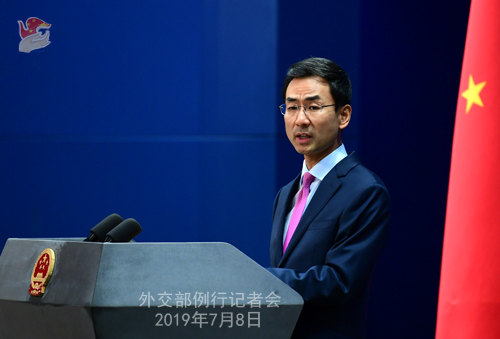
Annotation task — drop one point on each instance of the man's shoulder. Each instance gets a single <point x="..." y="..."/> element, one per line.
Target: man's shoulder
<point x="350" y="170"/>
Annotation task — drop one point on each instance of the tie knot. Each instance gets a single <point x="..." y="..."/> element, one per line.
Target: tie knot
<point x="307" y="179"/>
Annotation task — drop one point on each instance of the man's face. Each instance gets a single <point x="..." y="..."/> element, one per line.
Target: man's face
<point x="319" y="135"/>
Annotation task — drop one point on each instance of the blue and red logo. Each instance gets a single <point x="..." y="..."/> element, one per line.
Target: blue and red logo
<point x="34" y="34"/>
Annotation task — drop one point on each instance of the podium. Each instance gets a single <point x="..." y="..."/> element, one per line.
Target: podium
<point x="142" y="290"/>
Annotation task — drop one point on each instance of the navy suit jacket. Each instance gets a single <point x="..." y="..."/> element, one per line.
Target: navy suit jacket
<point x="332" y="254"/>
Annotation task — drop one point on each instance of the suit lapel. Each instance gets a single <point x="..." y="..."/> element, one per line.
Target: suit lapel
<point x="284" y="204"/>
<point x="326" y="190"/>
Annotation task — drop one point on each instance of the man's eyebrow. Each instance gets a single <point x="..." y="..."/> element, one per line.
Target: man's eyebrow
<point x="313" y="98"/>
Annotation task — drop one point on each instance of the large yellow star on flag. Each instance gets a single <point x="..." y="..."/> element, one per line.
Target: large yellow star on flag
<point x="472" y="94"/>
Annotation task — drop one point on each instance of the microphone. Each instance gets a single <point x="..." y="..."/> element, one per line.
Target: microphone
<point x="99" y="231"/>
<point x="124" y="232"/>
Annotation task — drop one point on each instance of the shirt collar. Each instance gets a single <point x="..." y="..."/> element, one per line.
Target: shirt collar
<point x="321" y="169"/>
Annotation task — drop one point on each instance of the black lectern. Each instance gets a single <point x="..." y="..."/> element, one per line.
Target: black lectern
<point x="140" y="290"/>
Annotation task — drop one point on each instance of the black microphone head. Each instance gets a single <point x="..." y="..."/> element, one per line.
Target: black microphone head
<point x="124" y="232"/>
<point x="98" y="232"/>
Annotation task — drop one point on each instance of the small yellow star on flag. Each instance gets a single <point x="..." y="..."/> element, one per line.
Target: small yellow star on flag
<point x="472" y="94"/>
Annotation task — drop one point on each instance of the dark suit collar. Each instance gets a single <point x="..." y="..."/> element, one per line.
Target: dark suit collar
<point x="346" y="164"/>
<point x="327" y="188"/>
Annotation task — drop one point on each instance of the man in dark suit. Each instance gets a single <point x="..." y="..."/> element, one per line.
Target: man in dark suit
<point x="330" y="223"/>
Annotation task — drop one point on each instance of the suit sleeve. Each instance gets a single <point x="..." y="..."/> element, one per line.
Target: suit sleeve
<point x="362" y="233"/>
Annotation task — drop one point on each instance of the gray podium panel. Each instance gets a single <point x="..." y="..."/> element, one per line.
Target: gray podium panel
<point x="64" y="309"/>
<point x="143" y="290"/>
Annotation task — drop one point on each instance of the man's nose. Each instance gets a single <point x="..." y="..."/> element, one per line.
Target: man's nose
<point x="302" y="118"/>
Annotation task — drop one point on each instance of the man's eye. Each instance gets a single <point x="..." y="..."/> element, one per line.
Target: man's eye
<point x="314" y="108"/>
<point x="292" y="108"/>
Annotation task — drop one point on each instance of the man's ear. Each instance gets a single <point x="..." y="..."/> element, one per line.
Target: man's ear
<point x="344" y="116"/>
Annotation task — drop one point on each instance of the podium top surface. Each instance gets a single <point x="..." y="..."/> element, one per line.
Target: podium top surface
<point x="121" y="274"/>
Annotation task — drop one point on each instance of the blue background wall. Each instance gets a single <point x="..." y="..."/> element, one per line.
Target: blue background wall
<point x="167" y="112"/>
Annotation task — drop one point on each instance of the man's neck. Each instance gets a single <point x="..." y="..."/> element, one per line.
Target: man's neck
<point x="312" y="160"/>
<point x="325" y="165"/>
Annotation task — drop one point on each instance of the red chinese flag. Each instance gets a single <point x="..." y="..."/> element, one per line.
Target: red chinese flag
<point x="469" y="294"/>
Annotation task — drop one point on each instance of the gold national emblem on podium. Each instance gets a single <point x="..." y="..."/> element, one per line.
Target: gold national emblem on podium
<point x="42" y="272"/>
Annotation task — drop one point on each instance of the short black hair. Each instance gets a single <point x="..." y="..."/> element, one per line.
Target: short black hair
<point x="337" y="78"/>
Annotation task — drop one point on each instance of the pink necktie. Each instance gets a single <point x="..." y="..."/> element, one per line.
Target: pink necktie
<point x="299" y="207"/>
